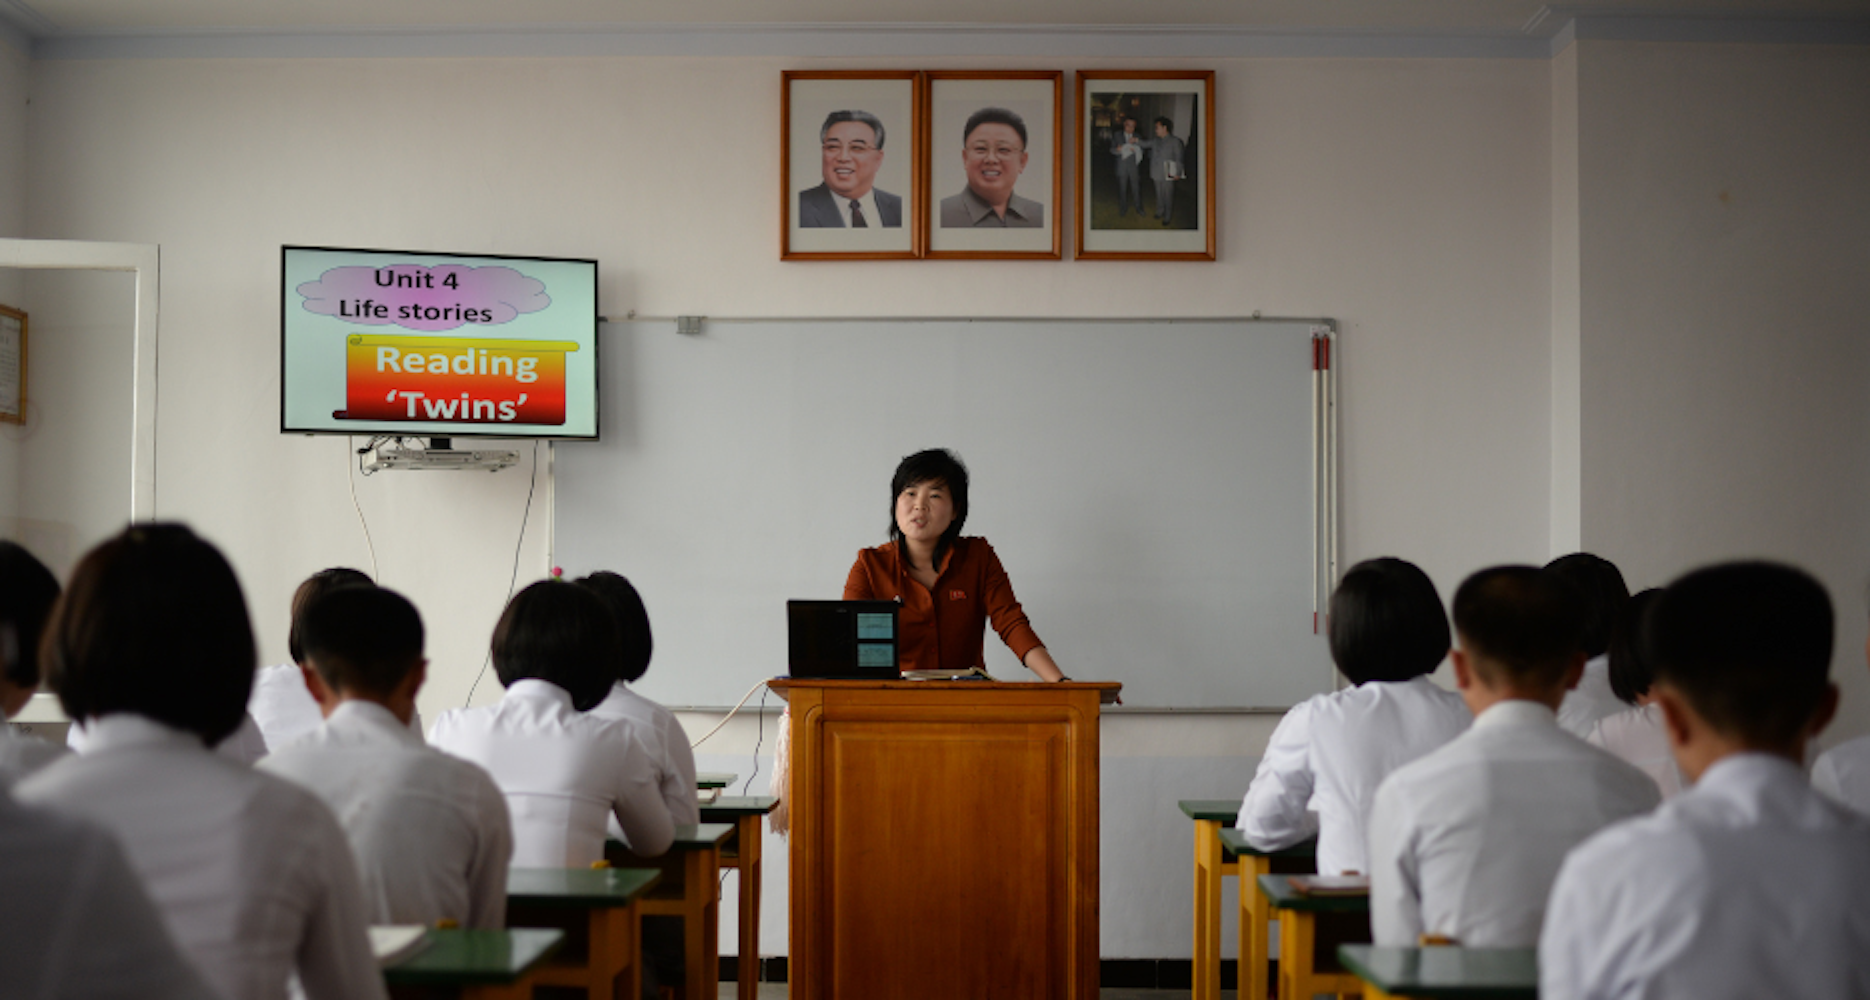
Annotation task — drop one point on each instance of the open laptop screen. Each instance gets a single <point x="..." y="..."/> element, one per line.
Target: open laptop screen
<point x="850" y="639"/>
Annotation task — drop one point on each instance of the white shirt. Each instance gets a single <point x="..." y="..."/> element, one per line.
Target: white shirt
<point x="1591" y="700"/>
<point x="245" y="744"/>
<point x="666" y="741"/>
<point x="1749" y="884"/>
<point x="562" y="771"/>
<point x="1843" y="772"/>
<point x="251" y="873"/>
<point x="23" y="753"/>
<point x="430" y="831"/>
<point x="283" y="709"/>
<point x="1465" y="841"/>
<point x="1636" y="735"/>
<point x="76" y="924"/>
<point x="869" y="202"/>
<point x="1329" y="754"/>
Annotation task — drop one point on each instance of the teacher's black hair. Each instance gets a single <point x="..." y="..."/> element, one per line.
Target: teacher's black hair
<point x="27" y="591"/>
<point x="559" y="633"/>
<point x="153" y="624"/>
<point x="1387" y="622"/>
<point x="935" y="465"/>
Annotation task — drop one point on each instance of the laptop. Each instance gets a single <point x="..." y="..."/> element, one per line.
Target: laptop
<point x="851" y="640"/>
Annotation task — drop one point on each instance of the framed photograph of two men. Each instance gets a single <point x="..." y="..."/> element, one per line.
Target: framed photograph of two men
<point x="1145" y="165"/>
<point x="850" y="166"/>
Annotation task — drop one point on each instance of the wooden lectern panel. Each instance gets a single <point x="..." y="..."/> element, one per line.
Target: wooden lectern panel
<point x="944" y="840"/>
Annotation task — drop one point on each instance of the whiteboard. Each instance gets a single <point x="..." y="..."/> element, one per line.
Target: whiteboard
<point x="1150" y="486"/>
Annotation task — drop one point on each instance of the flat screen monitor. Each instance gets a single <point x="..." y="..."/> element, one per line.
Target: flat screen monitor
<point x="417" y="344"/>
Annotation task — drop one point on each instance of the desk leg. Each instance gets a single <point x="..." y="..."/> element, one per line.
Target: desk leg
<point x="1251" y="980"/>
<point x="747" y="846"/>
<point x="701" y="928"/>
<point x="616" y="950"/>
<point x="521" y="990"/>
<point x="1296" y="932"/>
<point x="1207" y="963"/>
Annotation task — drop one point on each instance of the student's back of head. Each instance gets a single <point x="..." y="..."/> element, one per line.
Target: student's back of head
<point x="560" y="633"/>
<point x="1600" y="585"/>
<point x="315" y="587"/>
<point x="361" y="640"/>
<point x="626" y="607"/>
<point x="1748" y="646"/>
<point x="1630" y="673"/>
<point x="153" y="624"/>
<point x="1519" y="625"/>
<point x="27" y="592"/>
<point x="1387" y="622"/>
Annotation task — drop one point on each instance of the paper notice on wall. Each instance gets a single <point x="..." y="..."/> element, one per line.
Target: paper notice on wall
<point x="12" y="367"/>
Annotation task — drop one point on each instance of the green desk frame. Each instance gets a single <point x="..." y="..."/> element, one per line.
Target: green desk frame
<point x="691" y="889"/>
<point x="1444" y="973"/>
<point x="742" y="852"/>
<point x="473" y="964"/>
<point x="611" y="901"/>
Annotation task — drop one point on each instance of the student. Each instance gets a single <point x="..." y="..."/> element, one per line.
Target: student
<point x="1464" y="841"/>
<point x="1328" y="754"/>
<point x="1636" y="734"/>
<point x="1605" y="593"/>
<point x="281" y="705"/>
<point x="152" y="648"/>
<point x="27" y="590"/>
<point x="77" y="924"/>
<point x="562" y="771"/>
<point x="655" y="725"/>
<point x="1749" y="884"/>
<point x="430" y="831"/>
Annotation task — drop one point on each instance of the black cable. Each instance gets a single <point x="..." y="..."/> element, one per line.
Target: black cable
<point x="513" y="581"/>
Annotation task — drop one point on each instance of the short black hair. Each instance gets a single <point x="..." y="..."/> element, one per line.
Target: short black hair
<point x="153" y="624"/>
<point x="560" y="633"/>
<point x="362" y="640"/>
<point x="1630" y="675"/>
<point x="930" y="466"/>
<point x="626" y="607"/>
<point x="1387" y="622"/>
<point x="860" y="117"/>
<point x="1165" y="123"/>
<point x="994" y="116"/>
<point x="27" y="592"/>
<point x="1519" y="621"/>
<point x="1601" y="585"/>
<point x="1748" y="644"/>
<point x="316" y="586"/>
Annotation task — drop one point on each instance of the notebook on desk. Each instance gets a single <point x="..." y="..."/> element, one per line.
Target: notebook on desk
<point x="851" y="640"/>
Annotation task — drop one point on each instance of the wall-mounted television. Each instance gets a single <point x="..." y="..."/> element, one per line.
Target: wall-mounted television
<point x="415" y="344"/>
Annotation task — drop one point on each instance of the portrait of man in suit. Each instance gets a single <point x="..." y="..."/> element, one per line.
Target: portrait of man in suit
<point x="852" y="146"/>
<point x="993" y="151"/>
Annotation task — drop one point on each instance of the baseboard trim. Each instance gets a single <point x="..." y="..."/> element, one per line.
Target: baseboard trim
<point x="1113" y="973"/>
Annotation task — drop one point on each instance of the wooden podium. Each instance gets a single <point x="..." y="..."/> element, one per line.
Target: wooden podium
<point x="944" y="839"/>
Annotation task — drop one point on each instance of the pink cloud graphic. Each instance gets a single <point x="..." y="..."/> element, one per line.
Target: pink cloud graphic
<point x="430" y="299"/>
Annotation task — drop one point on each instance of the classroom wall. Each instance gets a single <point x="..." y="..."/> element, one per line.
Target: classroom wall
<point x="1409" y="199"/>
<point x="1725" y="344"/>
<point x="15" y="68"/>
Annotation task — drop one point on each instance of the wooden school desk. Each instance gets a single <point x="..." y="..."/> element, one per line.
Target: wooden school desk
<point x="473" y="964"/>
<point x="1449" y="973"/>
<point x="1298" y="937"/>
<point x="1255" y="915"/>
<point x="611" y="938"/>
<point x="742" y="851"/>
<point x="1210" y="815"/>
<point x="690" y="889"/>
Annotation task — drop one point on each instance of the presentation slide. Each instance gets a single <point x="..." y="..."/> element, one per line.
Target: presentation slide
<point x="437" y="345"/>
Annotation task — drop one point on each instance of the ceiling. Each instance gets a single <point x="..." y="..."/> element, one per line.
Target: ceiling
<point x="49" y="19"/>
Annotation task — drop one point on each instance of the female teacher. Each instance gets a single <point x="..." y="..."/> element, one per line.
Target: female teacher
<point x="949" y="586"/>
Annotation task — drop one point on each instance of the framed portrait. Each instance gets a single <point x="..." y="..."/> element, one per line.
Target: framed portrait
<point x="12" y="366"/>
<point x="994" y="163"/>
<point x="850" y="165"/>
<point x="1145" y="165"/>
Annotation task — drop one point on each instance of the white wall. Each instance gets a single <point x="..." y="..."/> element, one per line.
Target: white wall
<point x="15" y="69"/>
<point x="1410" y="199"/>
<point x="1725" y="344"/>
